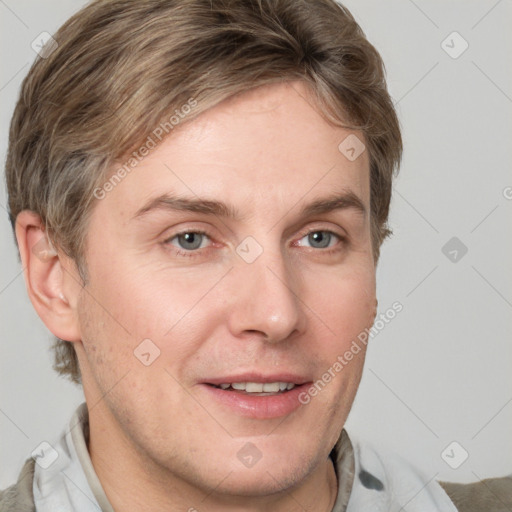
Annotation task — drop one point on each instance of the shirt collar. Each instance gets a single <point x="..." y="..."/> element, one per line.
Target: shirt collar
<point x="71" y="483"/>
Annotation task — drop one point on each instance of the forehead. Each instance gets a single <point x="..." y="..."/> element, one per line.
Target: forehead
<point x="267" y="147"/>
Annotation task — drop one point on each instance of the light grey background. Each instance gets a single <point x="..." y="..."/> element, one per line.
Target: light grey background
<point x="440" y="371"/>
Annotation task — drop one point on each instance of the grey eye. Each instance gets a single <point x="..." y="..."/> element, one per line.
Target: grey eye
<point x="320" y="239"/>
<point x="190" y="240"/>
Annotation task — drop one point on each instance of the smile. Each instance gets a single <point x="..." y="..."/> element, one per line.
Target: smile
<point x="257" y="396"/>
<point x="260" y="388"/>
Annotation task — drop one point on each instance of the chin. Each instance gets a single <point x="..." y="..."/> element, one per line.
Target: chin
<point x="272" y="470"/>
<point x="264" y="481"/>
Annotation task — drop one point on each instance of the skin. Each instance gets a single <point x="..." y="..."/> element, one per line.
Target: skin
<point x="158" y="442"/>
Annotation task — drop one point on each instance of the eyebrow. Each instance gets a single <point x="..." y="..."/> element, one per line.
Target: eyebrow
<point x="341" y="201"/>
<point x="344" y="201"/>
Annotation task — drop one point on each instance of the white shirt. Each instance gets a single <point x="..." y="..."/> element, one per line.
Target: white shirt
<point x="388" y="483"/>
<point x="70" y="482"/>
<point x="65" y="480"/>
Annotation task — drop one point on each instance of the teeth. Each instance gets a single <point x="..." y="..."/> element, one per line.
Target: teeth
<point x="254" y="387"/>
<point x="271" y="387"/>
<point x="258" y="387"/>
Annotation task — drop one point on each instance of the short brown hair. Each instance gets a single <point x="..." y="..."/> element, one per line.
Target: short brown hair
<point x="122" y="67"/>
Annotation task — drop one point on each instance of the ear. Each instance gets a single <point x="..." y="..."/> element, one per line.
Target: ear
<point x="375" y="309"/>
<point x="52" y="283"/>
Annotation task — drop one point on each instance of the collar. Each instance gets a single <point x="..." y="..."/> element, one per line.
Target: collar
<point x="368" y="480"/>
<point x="64" y="477"/>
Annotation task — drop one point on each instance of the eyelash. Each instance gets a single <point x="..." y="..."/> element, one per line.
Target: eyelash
<point x="197" y="252"/>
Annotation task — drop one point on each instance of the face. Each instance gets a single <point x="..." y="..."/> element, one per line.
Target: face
<point x="237" y="253"/>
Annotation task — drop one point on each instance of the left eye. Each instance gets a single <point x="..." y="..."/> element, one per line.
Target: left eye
<point x="321" y="239"/>
<point x="190" y="240"/>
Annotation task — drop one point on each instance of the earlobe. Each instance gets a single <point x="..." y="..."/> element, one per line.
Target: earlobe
<point x="44" y="277"/>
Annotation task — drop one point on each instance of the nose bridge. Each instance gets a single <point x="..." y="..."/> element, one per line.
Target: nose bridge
<point x="267" y="298"/>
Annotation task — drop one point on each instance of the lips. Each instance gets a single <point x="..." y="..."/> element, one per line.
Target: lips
<point x="257" y="378"/>
<point x="258" y="387"/>
<point x="257" y="396"/>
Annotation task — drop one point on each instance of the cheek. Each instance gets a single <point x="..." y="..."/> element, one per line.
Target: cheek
<point x="345" y="303"/>
<point x="123" y="309"/>
<point x="136" y="301"/>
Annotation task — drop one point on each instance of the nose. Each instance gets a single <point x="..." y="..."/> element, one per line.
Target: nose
<point x="266" y="299"/>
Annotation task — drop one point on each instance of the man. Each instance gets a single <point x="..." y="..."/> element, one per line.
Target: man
<point x="199" y="192"/>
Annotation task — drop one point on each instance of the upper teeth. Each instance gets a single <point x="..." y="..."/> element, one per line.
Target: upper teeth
<point x="259" y="387"/>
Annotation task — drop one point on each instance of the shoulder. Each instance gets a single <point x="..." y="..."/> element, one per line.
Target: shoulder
<point x="492" y="494"/>
<point x="376" y="469"/>
<point x="385" y="481"/>
<point x="19" y="496"/>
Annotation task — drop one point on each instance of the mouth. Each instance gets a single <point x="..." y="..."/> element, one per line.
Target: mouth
<point x="257" y="388"/>
<point x="257" y="397"/>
